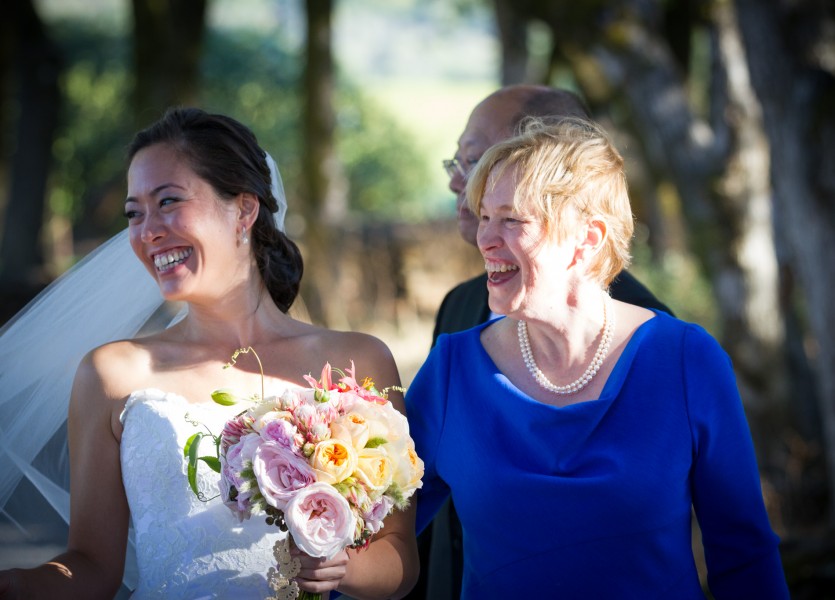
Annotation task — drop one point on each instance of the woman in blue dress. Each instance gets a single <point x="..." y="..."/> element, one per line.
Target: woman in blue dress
<point x="578" y="434"/>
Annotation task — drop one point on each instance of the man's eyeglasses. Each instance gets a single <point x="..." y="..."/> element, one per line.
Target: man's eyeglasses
<point x="453" y="166"/>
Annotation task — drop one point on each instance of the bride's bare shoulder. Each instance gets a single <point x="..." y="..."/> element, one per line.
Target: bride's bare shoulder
<point x="117" y="368"/>
<point x="354" y="345"/>
<point x="369" y="354"/>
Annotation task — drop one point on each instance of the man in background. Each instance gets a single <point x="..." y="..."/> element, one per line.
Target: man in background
<point x="493" y="120"/>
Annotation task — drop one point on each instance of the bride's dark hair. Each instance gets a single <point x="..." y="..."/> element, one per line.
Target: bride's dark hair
<point x="226" y="154"/>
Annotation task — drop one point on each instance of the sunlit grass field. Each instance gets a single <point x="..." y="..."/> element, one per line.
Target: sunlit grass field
<point x="434" y="113"/>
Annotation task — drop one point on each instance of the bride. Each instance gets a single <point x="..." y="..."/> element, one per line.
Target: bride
<point x="200" y="213"/>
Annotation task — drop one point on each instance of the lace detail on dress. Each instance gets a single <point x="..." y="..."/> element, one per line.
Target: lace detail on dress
<point x="186" y="548"/>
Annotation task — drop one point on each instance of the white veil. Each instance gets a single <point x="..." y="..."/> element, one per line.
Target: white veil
<point x="106" y="296"/>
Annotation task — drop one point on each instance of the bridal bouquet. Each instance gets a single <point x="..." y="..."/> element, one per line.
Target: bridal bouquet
<point x="326" y="463"/>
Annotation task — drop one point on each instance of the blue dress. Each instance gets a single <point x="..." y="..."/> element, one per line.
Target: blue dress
<point x="593" y="500"/>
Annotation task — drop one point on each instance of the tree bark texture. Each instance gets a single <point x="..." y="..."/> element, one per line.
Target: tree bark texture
<point x="798" y="103"/>
<point x="325" y="197"/>
<point x="168" y="45"/>
<point x="513" y="35"/>
<point x="36" y="67"/>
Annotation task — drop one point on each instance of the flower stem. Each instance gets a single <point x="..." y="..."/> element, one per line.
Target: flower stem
<point x="247" y="350"/>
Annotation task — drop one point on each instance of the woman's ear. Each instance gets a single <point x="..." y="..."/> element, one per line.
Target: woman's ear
<point x="248" y="206"/>
<point x="596" y="233"/>
<point x="591" y="239"/>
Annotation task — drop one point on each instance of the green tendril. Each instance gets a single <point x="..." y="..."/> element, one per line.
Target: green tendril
<point x="247" y="350"/>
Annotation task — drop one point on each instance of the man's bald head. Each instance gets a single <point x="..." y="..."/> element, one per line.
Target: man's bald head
<point x="497" y="118"/>
<point x="538" y="101"/>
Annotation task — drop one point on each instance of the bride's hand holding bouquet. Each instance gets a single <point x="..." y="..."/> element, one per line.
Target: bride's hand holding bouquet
<point x="326" y="463"/>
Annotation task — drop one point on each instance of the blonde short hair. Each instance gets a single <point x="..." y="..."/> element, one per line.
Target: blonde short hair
<point x="568" y="172"/>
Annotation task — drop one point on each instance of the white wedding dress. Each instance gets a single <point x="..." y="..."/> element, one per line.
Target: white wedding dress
<point x="186" y="548"/>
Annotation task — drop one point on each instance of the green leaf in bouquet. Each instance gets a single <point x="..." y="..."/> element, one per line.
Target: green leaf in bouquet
<point x="191" y="448"/>
<point x="212" y="461"/>
<point x="225" y="397"/>
<point x="189" y="442"/>
<point x="375" y="442"/>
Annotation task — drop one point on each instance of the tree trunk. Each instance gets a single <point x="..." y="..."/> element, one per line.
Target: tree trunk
<point x="513" y="38"/>
<point x="7" y="49"/>
<point x="325" y="198"/>
<point x="757" y="340"/>
<point x="714" y="167"/>
<point x="798" y="104"/>
<point x="37" y="66"/>
<point x="168" y="45"/>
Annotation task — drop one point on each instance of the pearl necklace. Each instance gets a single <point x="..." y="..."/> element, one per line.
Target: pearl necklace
<point x="591" y="370"/>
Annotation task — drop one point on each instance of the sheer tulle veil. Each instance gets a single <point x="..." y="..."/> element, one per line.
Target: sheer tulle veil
<point x="106" y="296"/>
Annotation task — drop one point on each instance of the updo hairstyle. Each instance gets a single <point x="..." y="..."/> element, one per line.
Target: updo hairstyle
<point x="226" y="154"/>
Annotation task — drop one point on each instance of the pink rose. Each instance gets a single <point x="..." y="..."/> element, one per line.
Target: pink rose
<point x="232" y="464"/>
<point x="280" y="473"/>
<point x="320" y="520"/>
<point x="283" y="433"/>
<point x="378" y="511"/>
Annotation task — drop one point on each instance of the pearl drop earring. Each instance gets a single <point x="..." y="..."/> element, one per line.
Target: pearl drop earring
<point x="244" y="236"/>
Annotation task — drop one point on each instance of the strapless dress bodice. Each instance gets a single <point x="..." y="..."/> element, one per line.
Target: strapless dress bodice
<point x="186" y="548"/>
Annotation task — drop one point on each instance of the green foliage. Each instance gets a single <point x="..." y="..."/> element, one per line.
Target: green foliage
<point x="386" y="175"/>
<point x="245" y="74"/>
<point x="88" y="148"/>
<point x="191" y="453"/>
<point x="254" y="79"/>
<point x="678" y="282"/>
<point x="374" y="149"/>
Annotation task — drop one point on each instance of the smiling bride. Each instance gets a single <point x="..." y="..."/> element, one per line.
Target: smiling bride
<point x="201" y="211"/>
